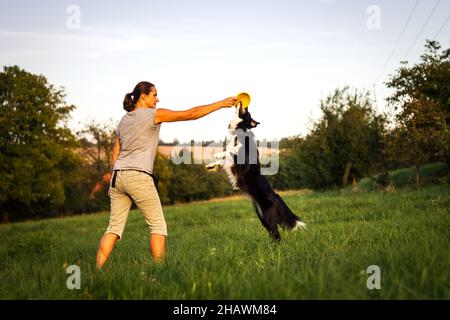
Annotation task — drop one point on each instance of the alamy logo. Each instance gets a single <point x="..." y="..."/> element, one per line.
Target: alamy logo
<point x="374" y="20"/>
<point x="198" y="153"/>
<point x="74" y="19"/>
<point x="374" y="280"/>
<point x="74" y="280"/>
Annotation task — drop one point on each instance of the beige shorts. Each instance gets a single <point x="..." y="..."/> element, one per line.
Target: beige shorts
<point x="131" y="185"/>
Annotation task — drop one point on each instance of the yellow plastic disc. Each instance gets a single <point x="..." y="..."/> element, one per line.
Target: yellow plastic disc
<point x="244" y="99"/>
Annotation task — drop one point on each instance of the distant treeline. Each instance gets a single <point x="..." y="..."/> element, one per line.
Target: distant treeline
<point x="48" y="170"/>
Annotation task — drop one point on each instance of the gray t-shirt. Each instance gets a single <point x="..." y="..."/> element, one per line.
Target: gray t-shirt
<point x="139" y="138"/>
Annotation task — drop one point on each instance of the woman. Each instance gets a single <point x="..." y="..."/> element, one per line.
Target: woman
<point x="132" y="160"/>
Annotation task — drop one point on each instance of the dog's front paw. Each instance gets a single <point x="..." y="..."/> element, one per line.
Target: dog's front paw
<point x="215" y="165"/>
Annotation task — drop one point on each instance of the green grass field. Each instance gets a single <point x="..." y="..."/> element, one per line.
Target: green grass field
<point x="219" y="250"/>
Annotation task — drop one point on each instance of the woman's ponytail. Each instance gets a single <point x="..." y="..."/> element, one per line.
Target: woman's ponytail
<point x="128" y="104"/>
<point x="130" y="100"/>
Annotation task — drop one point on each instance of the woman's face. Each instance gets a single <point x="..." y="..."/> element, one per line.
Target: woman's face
<point x="150" y="100"/>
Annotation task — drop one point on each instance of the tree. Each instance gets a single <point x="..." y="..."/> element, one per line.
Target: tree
<point x="289" y="175"/>
<point x="97" y="141"/>
<point x="421" y="99"/>
<point x="34" y="141"/>
<point x="344" y="144"/>
<point x="350" y="133"/>
<point x="190" y="182"/>
<point x="161" y="169"/>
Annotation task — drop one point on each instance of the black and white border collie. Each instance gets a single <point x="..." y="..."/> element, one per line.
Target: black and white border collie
<point x="241" y="163"/>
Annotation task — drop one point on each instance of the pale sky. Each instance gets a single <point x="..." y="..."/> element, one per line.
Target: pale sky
<point x="286" y="54"/>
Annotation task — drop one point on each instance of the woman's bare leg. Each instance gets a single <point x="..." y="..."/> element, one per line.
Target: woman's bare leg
<point x="106" y="246"/>
<point x="158" y="247"/>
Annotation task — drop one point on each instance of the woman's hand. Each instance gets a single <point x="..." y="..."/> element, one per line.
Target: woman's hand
<point x="227" y="103"/>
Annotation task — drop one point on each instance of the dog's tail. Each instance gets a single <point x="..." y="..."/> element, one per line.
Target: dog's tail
<point x="299" y="225"/>
<point x="288" y="219"/>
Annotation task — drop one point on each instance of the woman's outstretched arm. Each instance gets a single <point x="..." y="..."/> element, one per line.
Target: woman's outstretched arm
<point x="166" y="115"/>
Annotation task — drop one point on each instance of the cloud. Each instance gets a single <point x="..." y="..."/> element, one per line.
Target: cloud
<point x="86" y="43"/>
<point x="91" y="43"/>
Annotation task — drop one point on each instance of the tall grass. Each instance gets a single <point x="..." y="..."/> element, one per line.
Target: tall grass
<point x="219" y="250"/>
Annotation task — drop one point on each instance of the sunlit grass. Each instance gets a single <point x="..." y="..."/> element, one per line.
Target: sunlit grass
<point x="219" y="250"/>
